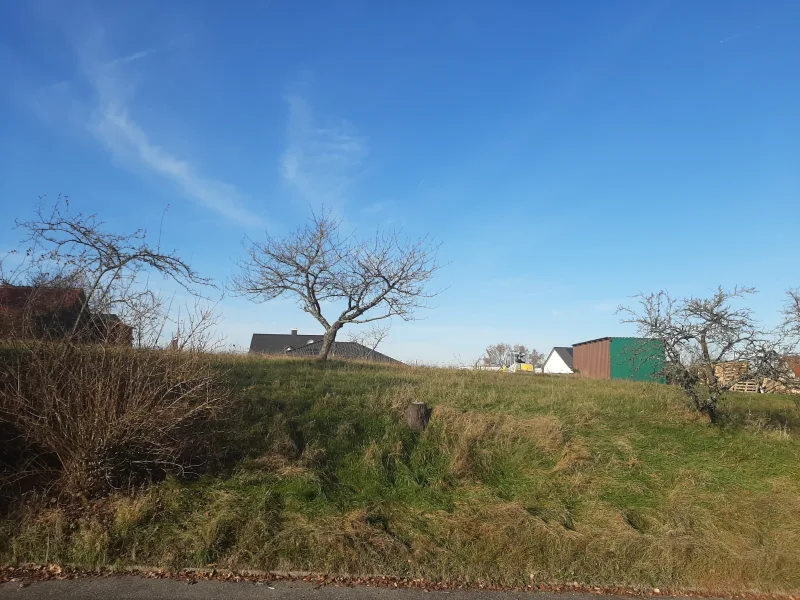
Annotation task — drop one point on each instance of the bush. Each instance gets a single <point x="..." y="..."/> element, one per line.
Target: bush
<point x="106" y="417"/>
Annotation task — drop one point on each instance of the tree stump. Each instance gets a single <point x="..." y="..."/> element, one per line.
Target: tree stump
<point x="417" y="415"/>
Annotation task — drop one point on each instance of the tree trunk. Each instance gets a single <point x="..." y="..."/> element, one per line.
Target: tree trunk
<point x="709" y="409"/>
<point x="417" y="415"/>
<point x="327" y="341"/>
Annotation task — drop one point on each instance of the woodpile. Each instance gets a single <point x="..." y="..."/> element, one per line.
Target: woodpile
<point x="728" y="372"/>
<point x="751" y="387"/>
<point x="734" y="373"/>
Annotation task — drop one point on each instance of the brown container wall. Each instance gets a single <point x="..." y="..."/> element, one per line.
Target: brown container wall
<point x="593" y="359"/>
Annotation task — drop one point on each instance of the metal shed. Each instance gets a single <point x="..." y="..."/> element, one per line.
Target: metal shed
<point x="639" y="359"/>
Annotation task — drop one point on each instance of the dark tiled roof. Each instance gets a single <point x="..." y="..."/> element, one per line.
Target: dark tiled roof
<point x="345" y="350"/>
<point x="278" y="343"/>
<point x="565" y="353"/>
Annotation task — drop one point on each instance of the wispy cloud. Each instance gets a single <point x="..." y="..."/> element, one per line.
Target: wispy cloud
<point x="132" y="146"/>
<point x="102" y="101"/>
<point x="734" y="36"/>
<point x="130" y="143"/>
<point x="320" y="162"/>
<point x="132" y="57"/>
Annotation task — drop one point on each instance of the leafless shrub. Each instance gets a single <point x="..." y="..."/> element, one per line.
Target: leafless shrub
<point x="109" y="415"/>
<point x="195" y="328"/>
<point x="85" y="391"/>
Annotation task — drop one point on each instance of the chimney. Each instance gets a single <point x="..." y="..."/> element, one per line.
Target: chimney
<point x="294" y="331"/>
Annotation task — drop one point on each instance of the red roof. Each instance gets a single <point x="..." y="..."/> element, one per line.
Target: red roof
<point x="794" y="364"/>
<point x="20" y="297"/>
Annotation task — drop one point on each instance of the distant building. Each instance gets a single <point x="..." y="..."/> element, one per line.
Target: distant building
<point x="308" y="346"/>
<point x="55" y="313"/>
<point x="559" y="361"/>
<point x="639" y="359"/>
<point x="280" y="343"/>
<point x="351" y="350"/>
<point x="38" y="312"/>
<point x="793" y="363"/>
<point x="110" y="329"/>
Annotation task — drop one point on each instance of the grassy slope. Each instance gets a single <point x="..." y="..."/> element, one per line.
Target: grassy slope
<point x="517" y="478"/>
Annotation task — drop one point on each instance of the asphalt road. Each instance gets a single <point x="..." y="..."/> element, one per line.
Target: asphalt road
<point x="138" y="588"/>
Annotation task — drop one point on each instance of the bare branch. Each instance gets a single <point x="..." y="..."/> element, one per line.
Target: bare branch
<point x="328" y="273"/>
<point x="75" y="251"/>
<point x="711" y="344"/>
<point x="195" y="328"/>
<point x="370" y="338"/>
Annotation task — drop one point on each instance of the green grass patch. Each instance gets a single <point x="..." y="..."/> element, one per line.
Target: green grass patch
<point x="517" y="479"/>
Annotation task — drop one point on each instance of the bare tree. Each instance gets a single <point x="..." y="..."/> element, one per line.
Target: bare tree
<point x="791" y="316"/>
<point x="370" y="338"/>
<point x="702" y="337"/>
<point x="328" y="273"/>
<point x="496" y="355"/>
<point x="504" y="355"/>
<point x="787" y="366"/>
<point x="74" y="250"/>
<point x="536" y="358"/>
<point x="520" y="352"/>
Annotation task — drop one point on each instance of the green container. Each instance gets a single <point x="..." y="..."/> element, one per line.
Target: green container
<point x="639" y="359"/>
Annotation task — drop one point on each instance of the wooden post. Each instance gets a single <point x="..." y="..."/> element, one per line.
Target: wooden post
<point x="417" y="415"/>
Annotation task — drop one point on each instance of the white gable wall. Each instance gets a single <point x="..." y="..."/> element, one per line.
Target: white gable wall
<point x="555" y="364"/>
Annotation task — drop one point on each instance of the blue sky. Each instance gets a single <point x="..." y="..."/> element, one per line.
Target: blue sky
<point x="567" y="155"/>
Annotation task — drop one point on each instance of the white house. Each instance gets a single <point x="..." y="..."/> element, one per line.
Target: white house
<point x="558" y="361"/>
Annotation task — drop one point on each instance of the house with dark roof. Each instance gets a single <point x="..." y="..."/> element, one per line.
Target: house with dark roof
<point x="348" y="350"/>
<point x="308" y="346"/>
<point x="55" y="313"/>
<point x="280" y="343"/>
<point x="559" y="361"/>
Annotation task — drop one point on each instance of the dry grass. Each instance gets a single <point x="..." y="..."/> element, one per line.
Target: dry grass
<point x="517" y="479"/>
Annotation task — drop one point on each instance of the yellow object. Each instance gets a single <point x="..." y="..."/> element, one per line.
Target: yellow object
<point x="525" y="367"/>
